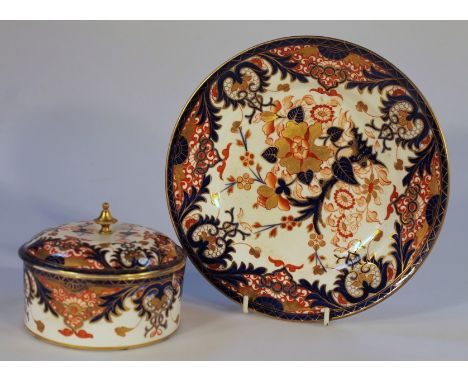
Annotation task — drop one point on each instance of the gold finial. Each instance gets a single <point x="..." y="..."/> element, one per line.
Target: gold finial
<point x="105" y="219"/>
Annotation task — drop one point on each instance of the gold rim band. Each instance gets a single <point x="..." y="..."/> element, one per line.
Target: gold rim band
<point x="89" y="276"/>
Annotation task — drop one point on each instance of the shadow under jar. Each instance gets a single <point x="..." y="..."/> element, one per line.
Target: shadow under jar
<point x="100" y="284"/>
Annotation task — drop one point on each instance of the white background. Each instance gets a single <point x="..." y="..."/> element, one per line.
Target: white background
<point x="86" y="112"/>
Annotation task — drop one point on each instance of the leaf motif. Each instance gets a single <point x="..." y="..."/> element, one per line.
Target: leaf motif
<point x="273" y="232"/>
<point x="113" y="304"/>
<point x="246" y="226"/>
<point x="287" y="101"/>
<point x="297" y="191"/>
<point x="283" y="66"/>
<point x="335" y="133"/>
<point x="308" y="99"/>
<point x="276" y="263"/>
<point x="255" y="252"/>
<point x="398" y="165"/>
<point x="268" y="116"/>
<point x="383" y="176"/>
<point x="305" y="177"/>
<point x="122" y="331"/>
<point x="421" y="233"/>
<point x="296" y="114"/>
<point x="270" y="154"/>
<point x="39" y="325"/>
<point x="294" y="268"/>
<point x="222" y="166"/>
<point x="329" y="207"/>
<point x="235" y="126"/>
<point x="378" y="235"/>
<point x="369" y="134"/>
<point x="420" y="163"/>
<point x="361" y="106"/>
<point x="431" y="209"/>
<point x="343" y="170"/>
<point x="248" y="134"/>
<point x="372" y="216"/>
<point x="308" y="51"/>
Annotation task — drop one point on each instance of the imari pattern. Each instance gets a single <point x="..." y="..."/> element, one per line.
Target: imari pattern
<point x="79" y="247"/>
<point x="307" y="173"/>
<point x="100" y="312"/>
<point x="91" y="290"/>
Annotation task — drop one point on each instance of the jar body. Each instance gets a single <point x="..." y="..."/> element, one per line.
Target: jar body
<point x="102" y="311"/>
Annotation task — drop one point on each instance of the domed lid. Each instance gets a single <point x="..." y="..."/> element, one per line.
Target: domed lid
<point x="102" y="246"/>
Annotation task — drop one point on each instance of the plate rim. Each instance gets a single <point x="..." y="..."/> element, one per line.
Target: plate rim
<point x="426" y="247"/>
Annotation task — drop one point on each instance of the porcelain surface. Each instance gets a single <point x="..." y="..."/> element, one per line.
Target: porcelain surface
<point x="89" y="290"/>
<point x="307" y="173"/>
<point x="80" y="247"/>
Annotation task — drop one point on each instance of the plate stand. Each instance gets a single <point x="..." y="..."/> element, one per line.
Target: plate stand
<point x="326" y="311"/>
<point x="326" y="316"/>
<point x="245" y="304"/>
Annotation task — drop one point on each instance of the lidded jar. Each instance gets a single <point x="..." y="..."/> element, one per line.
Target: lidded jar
<point x="101" y="284"/>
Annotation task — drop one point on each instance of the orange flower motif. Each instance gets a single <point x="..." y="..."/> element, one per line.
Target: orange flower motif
<point x="316" y="241"/>
<point x="244" y="182"/>
<point x="399" y="114"/>
<point x="371" y="187"/>
<point x="243" y="86"/>
<point x="318" y="270"/>
<point x="75" y="308"/>
<point x="247" y="159"/>
<point x="269" y="194"/>
<point x="361" y="277"/>
<point x="210" y="239"/>
<point x="403" y="119"/>
<point x="297" y="150"/>
<point x="288" y="222"/>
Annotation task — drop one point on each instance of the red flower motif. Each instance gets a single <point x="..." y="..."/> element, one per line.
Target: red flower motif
<point x="344" y="199"/>
<point x="288" y="222"/>
<point x="247" y="159"/>
<point x="322" y="113"/>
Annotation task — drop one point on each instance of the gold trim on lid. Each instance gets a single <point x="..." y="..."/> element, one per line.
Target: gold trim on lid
<point x="105" y="219"/>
